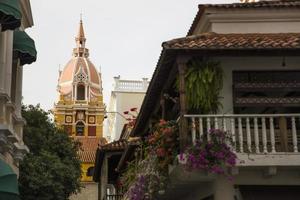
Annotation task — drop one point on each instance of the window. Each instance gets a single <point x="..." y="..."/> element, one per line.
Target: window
<point x="79" y="129"/>
<point x="90" y="171"/>
<point x="80" y="92"/>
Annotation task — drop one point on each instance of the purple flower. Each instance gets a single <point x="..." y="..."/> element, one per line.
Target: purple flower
<point x="217" y="169"/>
<point x="219" y="155"/>
<point x="181" y="156"/>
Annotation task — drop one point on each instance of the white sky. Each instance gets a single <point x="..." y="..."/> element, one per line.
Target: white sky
<point x="124" y="38"/>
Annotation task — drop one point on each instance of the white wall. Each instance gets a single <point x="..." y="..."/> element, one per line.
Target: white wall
<point x="123" y="101"/>
<point x="256" y="27"/>
<point x="249" y="21"/>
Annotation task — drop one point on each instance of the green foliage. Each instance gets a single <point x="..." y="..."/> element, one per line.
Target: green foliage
<point x="51" y="171"/>
<point x="203" y="83"/>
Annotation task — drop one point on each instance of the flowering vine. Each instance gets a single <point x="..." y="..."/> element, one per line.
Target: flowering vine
<point x="145" y="178"/>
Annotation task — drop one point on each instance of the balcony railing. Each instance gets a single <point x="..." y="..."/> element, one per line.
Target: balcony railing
<point x="113" y="197"/>
<point x="252" y="133"/>
<point x="131" y="85"/>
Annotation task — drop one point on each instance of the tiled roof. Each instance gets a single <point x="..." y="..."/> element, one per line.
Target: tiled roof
<point x="88" y="147"/>
<point x="120" y="144"/>
<point x="260" y="4"/>
<point x="236" y="41"/>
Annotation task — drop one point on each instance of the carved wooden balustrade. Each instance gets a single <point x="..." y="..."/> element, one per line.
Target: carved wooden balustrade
<point x="251" y="133"/>
<point x="114" y="197"/>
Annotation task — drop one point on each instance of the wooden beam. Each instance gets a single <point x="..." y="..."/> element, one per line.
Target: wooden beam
<point x="181" y="62"/>
<point x="171" y="78"/>
<point x="163" y="106"/>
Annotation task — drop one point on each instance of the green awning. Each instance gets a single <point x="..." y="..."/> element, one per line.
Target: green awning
<point x="8" y="182"/>
<point x="25" y="47"/>
<point x="10" y="14"/>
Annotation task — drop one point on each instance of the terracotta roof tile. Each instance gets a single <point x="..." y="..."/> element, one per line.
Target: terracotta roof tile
<point x="120" y="144"/>
<point x="87" y="152"/>
<point x="236" y="41"/>
<point x="260" y="4"/>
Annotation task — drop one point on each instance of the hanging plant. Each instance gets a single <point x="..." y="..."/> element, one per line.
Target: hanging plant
<point x="203" y="83"/>
<point x="213" y="156"/>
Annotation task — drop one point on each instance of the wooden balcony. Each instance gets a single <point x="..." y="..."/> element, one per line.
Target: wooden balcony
<point x="259" y="139"/>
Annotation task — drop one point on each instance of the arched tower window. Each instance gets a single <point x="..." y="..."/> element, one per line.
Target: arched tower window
<point x="80" y="92"/>
<point x="79" y="129"/>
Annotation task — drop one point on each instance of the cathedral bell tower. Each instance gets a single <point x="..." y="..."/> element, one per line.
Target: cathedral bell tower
<point x="80" y="109"/>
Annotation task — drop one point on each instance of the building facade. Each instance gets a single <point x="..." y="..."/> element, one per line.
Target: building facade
<point x="257" y="46"/>
<point x="80" y="109"/>
<point x="12" y="59"/>
<point x="16" y="50"/>
<point x="126" y="94"/>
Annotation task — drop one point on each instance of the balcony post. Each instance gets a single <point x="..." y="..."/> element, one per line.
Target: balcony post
<point x="182" y="66"/>
<point x="283" y="134"/>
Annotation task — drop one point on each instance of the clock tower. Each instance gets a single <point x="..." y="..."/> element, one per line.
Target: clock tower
<point x="80" y="109"/>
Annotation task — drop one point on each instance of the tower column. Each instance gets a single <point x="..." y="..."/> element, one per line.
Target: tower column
<point x="18" y="97"/>
<point x="85" y="92"/>
<point x="2" y="61"/>
<point x="75" y="98"/>
<point x="9" y="50"/>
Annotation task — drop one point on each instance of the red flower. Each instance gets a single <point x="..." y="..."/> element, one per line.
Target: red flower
<point x="160" y="152"/>
<point x="133" y="109"/>
<point x="167" y="131"/>
<point x="162" y="122"/>
<point x="151" y="140"/>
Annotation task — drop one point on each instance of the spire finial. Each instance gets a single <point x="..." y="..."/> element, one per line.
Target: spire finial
<point x="80" y="38"/>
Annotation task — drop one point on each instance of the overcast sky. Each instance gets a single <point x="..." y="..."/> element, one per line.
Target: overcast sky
<point x="124" y="38"/>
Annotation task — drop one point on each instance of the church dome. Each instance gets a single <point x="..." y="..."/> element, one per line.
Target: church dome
<point x="79" y="70"/>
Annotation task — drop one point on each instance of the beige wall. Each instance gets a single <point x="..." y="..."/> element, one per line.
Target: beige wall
<point x="198" y="184"/>
<point x="89" y="192"/>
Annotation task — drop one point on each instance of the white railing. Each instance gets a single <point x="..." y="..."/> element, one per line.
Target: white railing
<point x="131" y="85"/>
<point x="252" y="133"/>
